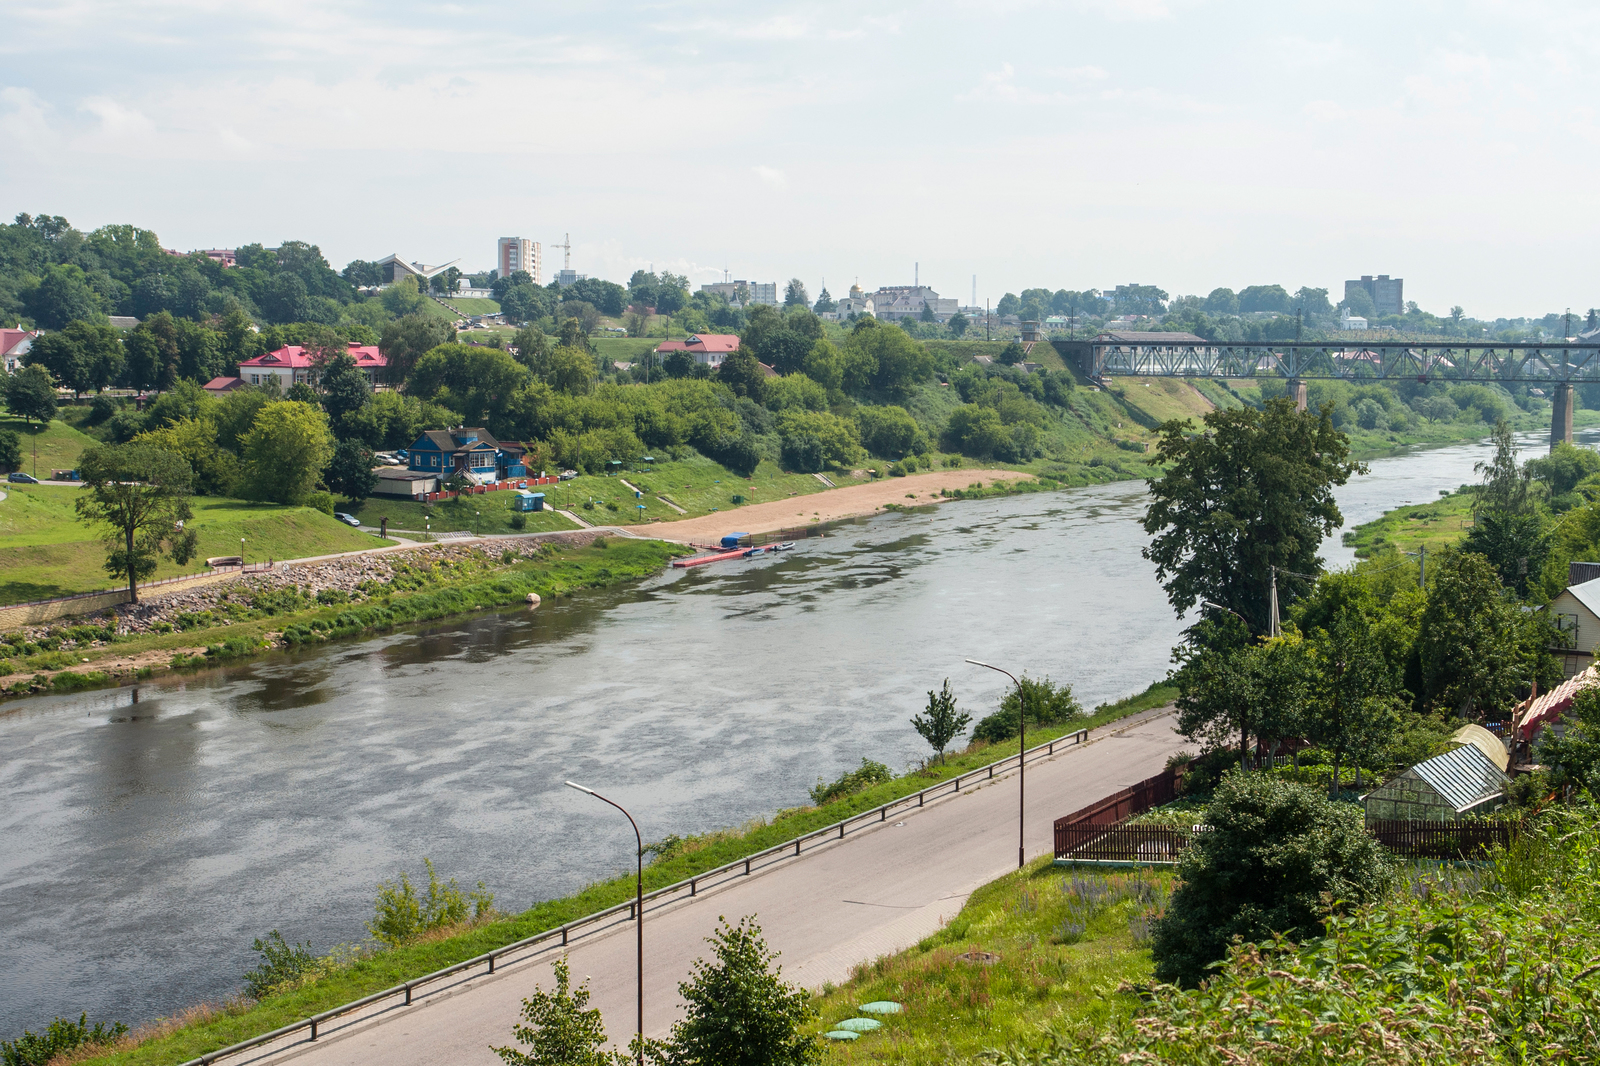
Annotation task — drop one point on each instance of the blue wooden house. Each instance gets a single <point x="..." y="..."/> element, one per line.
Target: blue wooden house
<point x="471" y="451"/>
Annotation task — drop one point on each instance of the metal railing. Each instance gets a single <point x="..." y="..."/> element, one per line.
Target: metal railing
<point x="252" y="568"/>
<point x="592" y="923"/>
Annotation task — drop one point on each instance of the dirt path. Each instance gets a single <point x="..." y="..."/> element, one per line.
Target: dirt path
<point x="849" y="502"/>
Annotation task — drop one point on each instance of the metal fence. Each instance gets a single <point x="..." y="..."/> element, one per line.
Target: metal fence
<point x="602" y="920"/>
<point x="252" y="568"/>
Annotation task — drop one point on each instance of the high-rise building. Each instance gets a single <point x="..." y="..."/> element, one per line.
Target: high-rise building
<point x="1388" y="296"/>
<point x="519" y="253"/>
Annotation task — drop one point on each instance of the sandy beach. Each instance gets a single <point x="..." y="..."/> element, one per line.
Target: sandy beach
<point x="850" y="502"/>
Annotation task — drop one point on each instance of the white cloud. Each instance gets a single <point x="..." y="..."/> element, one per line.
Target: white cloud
<point x="117" y="120"/>
<point x="24" y="122"/>
<point x="771" y="176"/>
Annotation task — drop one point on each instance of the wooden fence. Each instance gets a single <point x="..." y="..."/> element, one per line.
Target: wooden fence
<point x="1131" y="801"/>
<point x="1147" y="845"/>
<point x="1442" y="840"/>
<point x="1156" y="845"/>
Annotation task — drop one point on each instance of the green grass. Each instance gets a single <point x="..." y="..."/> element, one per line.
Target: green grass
<point x="687" y="858"/>
<point x="488" y="513"/>
<point x="624" y="349"/>
<point x="45" y="551"/>
<point x="1047" y="973"/>
<point x="1434" y="525"/>
<point x="473" y="305"/>
<point x="59" y="445"/>
<point x="697" y="485"/>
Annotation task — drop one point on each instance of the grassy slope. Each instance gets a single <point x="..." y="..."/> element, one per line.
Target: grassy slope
<point x="489" y="513"/>
<point x="59" y="444"/>
<point x="698" y="485"/>
<point x="45" y="551"/>
<point x="624" y="349"/>
<point x="1434" y="525"/>
<point x="692" y="856"/>
<point x="953" y="1009"/>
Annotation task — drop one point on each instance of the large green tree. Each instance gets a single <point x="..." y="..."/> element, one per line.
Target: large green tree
<point x="284" y="452"/>
<point x="140" y="494"/>
<point x="1478" y="651"/>
<point x="477" y="383"/>
<point x="1354" y="699"/>
<point x="1252" y="492"/>
<point x="350" y="471"/>
<point x="345" y="391"/>
<point x="31" y="393"/>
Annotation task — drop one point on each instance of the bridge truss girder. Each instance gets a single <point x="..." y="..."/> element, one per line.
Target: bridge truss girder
<point x="1547" y="364"/>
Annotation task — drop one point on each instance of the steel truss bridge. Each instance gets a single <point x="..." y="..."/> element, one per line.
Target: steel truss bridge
<point x="1474" y="361"/>
<point x="1558" y="366"/>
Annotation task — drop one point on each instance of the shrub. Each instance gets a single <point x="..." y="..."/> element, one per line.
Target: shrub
<point x="333" y="596"/>
<point x="402" y="915"/>
<point x="321" y="501"/>
<point x="863" y="777"/>
<point x="599" y="542"/>
<point x="1049" y="704"/>
<point x="280" y="964"/>
<point x="61" y="1037"/>
<point x="519" y="520"/>
<point x="1274" y="849"/>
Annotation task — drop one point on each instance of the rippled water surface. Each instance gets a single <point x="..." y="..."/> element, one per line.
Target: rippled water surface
<point x="149" y="833"/>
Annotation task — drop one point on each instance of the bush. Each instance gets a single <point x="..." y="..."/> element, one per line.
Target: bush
<point x="1049" y="704"/>
<point x="61" y="1037"/>
<point x="519" y="520"/>
<point x="1273" y="852"/>
<point x="321" y="501"/>
<point x="101" y="408"/>
<point x="863" y="777"/>
<point x="10" y="450"/>
<point x="280" y="964"/>
<point x="402" y="915"/>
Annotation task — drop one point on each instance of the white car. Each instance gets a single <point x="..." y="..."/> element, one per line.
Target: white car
<point x="347" y="519"/>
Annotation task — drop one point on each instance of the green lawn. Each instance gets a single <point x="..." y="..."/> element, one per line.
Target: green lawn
<point x="45" y="551"/>
<point x="624" y="349"/>
<point x="59" y="445"/>
<point x="1434" y="525"/>
<point x="1066" y="941"/>
<point x="697" y="485"/>
<point x="472" y="305"/>
<point x="489" y="513"/>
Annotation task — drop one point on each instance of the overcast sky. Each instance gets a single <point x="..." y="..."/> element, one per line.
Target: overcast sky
<point x="1076" y="144"/>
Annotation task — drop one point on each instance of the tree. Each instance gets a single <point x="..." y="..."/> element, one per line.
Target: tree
<point x="1561" y="470"/>
<point x="141" y="493"/>
<point x="570" y="370"/>
<point x="737" y="1011"/>
<point x="10" y="451"/>
<point x="1048" y="704"/>
<point x="350" y="471"/>
<point x="1468" y="640"/>
<point x="406" y="339"/>
<point x="1252" y="492"/>
<point x="526" y="303"/>
<point x="1263" y="298"/>
<point x="1438" y="409"/>
<point x="887" y="360"/>
<point x="742" y="373"/>
<point x="1312" y="301"/>
<point x="502" y="285"/>
<point x="1011" y="354"/>
<point x="1354" y="697"/>
<point x="285" y="451"/>
<point x="345" y="391"/>
<point x="958" y="324"/>
<point x="1273" y="854"/>
<point x="824" y="302"/>
<point x="560" y="1028"/>
<point x="1222" y="302"/>
<point x="942" y="723"/>
<point x="1516" y="545"/>
<point x="152" y="354"/>
<point x="62" y="295"/>
<point x="31" y="393"/>
<point x="795" y="295"/>
<point x="216" y="470"/>
<point x="403" y="298"/>
<point x="1505" y="483"/>
<point x="475" y="382"/>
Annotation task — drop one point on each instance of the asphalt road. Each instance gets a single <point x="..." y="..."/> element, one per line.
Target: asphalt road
<point x="876" y="892"/>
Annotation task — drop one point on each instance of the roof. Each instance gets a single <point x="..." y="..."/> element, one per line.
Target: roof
<point x="448" y="440"/>
<point x="400" y="473"/>
<point x="1588" y="594"/>
<point x="12" y="338"/>
<point x="1135" y="337"/>
<point x="1464" y="777"/>
<point x="294" y="356"/>
<point x="1485" y="742"/>
<point x="223" y="384"/>
<point x="1536" y="712"/>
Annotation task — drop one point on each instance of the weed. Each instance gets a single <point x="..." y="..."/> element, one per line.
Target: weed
<point x="61" y="1037"/>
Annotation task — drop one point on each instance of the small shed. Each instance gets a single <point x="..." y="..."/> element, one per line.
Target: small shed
<point x="1460" y="783"/>
<point x="527" y="501"/>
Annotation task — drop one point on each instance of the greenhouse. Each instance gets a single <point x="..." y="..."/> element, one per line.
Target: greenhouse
<point x="1459" y="784"/>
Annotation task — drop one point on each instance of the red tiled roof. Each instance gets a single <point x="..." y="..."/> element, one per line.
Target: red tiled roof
<point x="10" y="338"/>
<point x="294" y="356"/>
<point x="725" y="343"/>
<point x="223" y="384"/>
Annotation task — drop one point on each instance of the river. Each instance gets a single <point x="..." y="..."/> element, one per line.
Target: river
<point x="149" y="833"/>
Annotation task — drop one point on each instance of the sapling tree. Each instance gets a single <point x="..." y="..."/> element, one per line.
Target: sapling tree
<point x="142" y="494"/>
<point x="560" y="1028"/>
<point x="941" y="723"/>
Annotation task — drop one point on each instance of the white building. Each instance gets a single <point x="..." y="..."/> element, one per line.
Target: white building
<point x="392" y="268"/>
<point x="895" y="302"/>
<point x="519" y="253"/>
<point x="1349" y="321"/>
<point x="857" y="303"/>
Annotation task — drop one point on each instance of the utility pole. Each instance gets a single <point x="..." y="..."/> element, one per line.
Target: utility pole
<point x="985" y="318"/>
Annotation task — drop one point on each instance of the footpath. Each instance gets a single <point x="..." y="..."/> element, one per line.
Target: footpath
<point x="876" y="892"/>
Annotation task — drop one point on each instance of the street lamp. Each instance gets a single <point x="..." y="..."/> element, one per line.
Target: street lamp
<point x="638" y="906"/>
<point x="241" y="554"/>
<point x="1022" y="758"/>
<point x="1219" y="607"/>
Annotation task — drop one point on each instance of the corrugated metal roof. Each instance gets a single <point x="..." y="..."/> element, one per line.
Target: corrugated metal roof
<point x="1587" y="594"/>
<point x="1464" y="777"/>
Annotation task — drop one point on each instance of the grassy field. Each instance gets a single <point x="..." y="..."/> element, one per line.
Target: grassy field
<point x="1065" y="941"/>
<point x="624" y="349"/>
<point x="489" y="513"/>
<point x="45" y="551"/>
<point x="59" y="445"/>
<point x="686" y="858"/>
<point x="473" y="305"/>
<point x="1433" y="525"/>
<point x="697" y="485"/>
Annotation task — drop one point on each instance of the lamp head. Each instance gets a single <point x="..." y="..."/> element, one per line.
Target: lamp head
<point x="580" y="788"/>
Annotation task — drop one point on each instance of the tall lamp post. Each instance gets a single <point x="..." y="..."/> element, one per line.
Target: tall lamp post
<point x="1022" y="759"/>
<point x="638" y="907"/>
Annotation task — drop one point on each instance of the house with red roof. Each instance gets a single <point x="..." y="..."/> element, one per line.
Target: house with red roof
<point x="14" y="344"/>
<point x="709" y="349"/>
<point x="293" y="365"/>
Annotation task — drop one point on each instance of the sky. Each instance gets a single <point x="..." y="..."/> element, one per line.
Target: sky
<point x="1076" y="144"/>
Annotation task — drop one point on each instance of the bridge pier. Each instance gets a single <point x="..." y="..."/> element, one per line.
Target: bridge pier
<point x="1297" y="392"/>
<point x="1561" y="416"/>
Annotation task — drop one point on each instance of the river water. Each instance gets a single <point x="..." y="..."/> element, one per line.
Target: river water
<point x="149" y="833"/>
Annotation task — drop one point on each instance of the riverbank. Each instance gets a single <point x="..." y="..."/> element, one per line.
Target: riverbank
<point x="851" y="501"/>
<point x="209" y="1027"/>
<point x="354" y="596"/>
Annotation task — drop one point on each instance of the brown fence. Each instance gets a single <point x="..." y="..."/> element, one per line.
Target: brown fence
<point x="1143" y="844"/>
<point x="1133" y="800"/>
<point x="1442" y="840"/>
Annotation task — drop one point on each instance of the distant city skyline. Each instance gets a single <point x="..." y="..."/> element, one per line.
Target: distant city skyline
<point x="1192" y="144"/>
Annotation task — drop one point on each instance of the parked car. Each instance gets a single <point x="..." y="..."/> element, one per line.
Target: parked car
<point x="347" y="519"/>
<point x="402" y="455"/>
<point x="567" y="475"/>
<point x="19" y="478"/>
